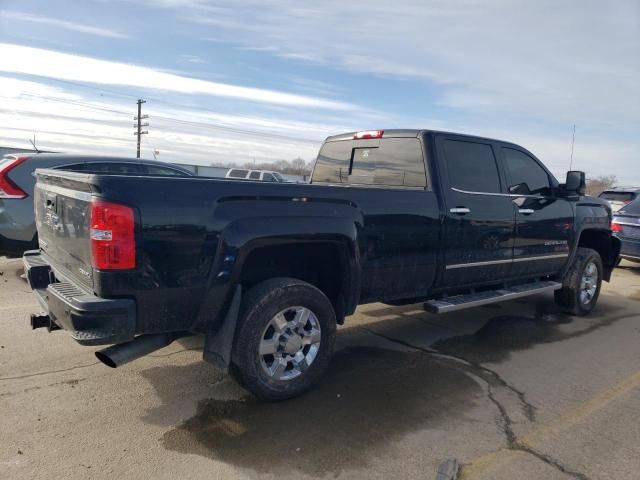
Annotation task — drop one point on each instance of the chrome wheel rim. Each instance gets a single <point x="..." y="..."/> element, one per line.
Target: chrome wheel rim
<point x="588" y="283"/>
<point x="290" y="343"/>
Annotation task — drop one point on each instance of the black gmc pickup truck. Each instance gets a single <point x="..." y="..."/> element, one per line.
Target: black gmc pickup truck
<point x="265" y="271"/>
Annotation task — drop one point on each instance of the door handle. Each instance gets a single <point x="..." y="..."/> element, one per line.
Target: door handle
<point x="460" y="210"/>
<point x="526" y="211"/>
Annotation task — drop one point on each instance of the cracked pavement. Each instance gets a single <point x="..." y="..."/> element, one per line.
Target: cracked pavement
<point x="515" y="390"/>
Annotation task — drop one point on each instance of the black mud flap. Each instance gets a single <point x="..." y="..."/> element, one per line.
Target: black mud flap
<point x="218" y="342"/>
<point x="611" y="261"/>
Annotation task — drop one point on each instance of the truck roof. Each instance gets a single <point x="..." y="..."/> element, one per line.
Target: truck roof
<point x="410" y="133"/>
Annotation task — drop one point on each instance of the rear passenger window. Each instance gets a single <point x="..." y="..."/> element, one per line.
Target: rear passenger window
<point x="394" y="162"/>
<point x="472" y="166"/>
<point x="332" y="165"/>
<point x="523" y="169"/>
<point x="254" y="176"/>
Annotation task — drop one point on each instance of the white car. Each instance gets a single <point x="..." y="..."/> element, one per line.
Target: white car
<point x="258" y="175"/>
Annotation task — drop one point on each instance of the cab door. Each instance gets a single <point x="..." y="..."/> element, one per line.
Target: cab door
<point x="479" y="217"/>
<point x="544" y="222"/>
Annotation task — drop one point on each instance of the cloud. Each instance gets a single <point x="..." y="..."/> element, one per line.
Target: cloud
<point x="14" y="87"/>
<point x="67" y="121"/>
<point x="47" y="63"/>
<point x="193" y="59"/>
<point x="64" y="24"/>
<point x="555" y="62"/>
<point x="522" y="71"/>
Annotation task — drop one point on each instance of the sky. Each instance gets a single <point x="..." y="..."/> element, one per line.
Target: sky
<point x="259" y="81"/>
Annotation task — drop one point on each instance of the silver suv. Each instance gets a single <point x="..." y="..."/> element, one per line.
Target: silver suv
<point x="17" y="224"/>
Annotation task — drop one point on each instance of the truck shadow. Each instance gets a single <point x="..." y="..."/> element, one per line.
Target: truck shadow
<point x="502" y="329"/>
<point x="504" y="334"/>
<point x="369" y="398"/>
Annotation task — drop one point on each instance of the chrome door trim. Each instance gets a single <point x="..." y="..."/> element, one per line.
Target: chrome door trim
<point x="542" y="257"/>
<point x="509" y="195"/>
<point x="477" y="264"/>
<point x="511" y="260"/>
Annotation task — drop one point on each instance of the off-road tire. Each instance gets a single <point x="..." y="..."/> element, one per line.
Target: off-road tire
<point x="568" y="297"/>
<point x="257" y="309"/>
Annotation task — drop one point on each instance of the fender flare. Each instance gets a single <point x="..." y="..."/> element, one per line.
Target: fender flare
<point x="340" y="231"/>
<point x="609" y="262"/>
<point x="237" y="242"/>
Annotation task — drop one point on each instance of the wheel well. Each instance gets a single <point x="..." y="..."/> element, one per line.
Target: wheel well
<point x="320" y="264"/>
<point x="602" y="242"/>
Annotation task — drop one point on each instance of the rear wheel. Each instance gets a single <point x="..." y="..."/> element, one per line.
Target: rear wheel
<point x="581" y="287"/>
<point x="284" y="339"/>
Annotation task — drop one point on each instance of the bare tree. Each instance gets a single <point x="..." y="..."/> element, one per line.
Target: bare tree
<point x="297" y="166"/>
<point x="597" y="185"/>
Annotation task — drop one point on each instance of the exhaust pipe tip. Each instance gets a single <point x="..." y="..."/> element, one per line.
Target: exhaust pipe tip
<point x="117" y="355"/>
<point x="106" y="359"/>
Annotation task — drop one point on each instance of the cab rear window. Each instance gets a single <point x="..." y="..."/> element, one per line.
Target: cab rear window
<point x="394" y="162"/>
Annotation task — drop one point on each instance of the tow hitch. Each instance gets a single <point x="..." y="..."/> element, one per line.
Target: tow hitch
<point x="42" y="320"/>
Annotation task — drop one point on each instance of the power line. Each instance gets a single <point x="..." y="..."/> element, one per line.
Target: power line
<point x="154" y="99"/>
<point x="238" y="130"/>
<point x="74" y="102"/>
<point x="213" y="126"/>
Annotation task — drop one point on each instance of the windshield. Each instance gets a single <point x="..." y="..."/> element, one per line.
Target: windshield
<point x="618" y="196"/>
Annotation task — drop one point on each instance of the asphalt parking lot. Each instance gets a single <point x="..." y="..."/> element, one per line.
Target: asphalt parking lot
<point x="515" y="390"/>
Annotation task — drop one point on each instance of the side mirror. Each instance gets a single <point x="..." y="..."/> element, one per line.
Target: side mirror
<point x="576" y="182"/>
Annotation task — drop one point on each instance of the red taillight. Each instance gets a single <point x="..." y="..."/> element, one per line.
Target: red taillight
<point x="113" y="244"/>
<point x="368" y="134"/>
<point x="8" y="189"/>
<point x="616" y="227"/>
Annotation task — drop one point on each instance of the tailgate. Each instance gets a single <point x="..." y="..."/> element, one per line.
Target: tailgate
<point x="62" y="209"/>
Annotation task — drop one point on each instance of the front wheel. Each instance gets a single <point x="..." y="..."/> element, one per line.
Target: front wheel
<point x="285" y="338"/>
<point x="581" y="287"/>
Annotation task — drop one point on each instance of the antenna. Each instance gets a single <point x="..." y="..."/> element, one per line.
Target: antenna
<point x="33" y="142"/>
<point x="573" y="141"/>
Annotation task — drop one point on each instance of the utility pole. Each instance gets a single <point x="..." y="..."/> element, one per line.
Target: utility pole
<point x="139" y="126"/>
